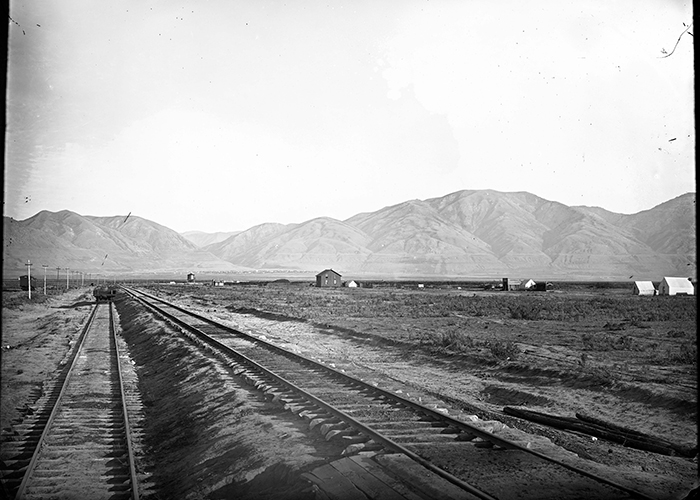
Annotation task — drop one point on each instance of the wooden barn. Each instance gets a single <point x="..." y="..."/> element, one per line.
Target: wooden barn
<point x="676" y="286"/>
<point x="643" y="288"/>
<point x="329" y="277"/>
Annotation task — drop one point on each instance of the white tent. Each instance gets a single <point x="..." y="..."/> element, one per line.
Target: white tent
<point x="527" y="284"/>
<point x="676" y="286"/>
<point x="644" y="288"/>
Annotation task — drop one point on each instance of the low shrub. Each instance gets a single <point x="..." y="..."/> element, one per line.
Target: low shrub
<point x="456" y="341"/>
<point x="529" y="311"/>
<point x="602" y="342"/>
<point x="504" y="350"/>
<point x="599" y="375"/>
<point x="686" y="354"/>
<point x="452" y="340"/>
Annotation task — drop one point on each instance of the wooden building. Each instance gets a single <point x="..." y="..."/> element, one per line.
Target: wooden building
<point x="329" y="277"/>
<point x="511" y="284"/>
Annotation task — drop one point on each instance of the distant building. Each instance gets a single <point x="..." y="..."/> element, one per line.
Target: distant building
<point x="352" y="284"/>
<point x="511" y="284"/>
<point x="190" y="278"/>
<point x="643" y="288"/>
<point x="676" y="286"/>
<point x="218" y="283"/>
<point x="329" y="277"/>
<point x="527" y="284"/>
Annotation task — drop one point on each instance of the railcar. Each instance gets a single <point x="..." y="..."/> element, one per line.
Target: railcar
<point x="25" y="282"/>
<point x="104" y="293"/>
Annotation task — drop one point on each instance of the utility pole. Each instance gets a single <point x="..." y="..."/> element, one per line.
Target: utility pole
<point x="67" y="277"/>
<point x="44" y="266"/>
<point x="82" y="279"/>
<point x="58" y="277"/>
<point x="29" y="277"/>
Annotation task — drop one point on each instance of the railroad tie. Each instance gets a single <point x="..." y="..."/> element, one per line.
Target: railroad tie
<point x="330" y="426"/>
<point x="313" y="413"/>
<point x="340" y="433"/>
<point x="465" y="436"/>
<point x="296" y="407"/>
<point x="482" y="443"/>
<point x="356" y="448"/>
<point x="322" y="420"/>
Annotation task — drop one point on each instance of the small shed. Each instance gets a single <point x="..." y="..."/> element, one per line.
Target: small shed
<point x="643" y="288"/>
<point x="190" y="278"/>
<point x="511" y="284"/>
<point x="527" y="284"/>
<point x="329" y="277"/>
<point x="676" y="286"/>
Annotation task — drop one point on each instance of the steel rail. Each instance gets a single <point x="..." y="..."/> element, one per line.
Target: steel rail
<point x="127" y="429"/>
<point x="485" y="435"/>
<point x="54" y="411"/>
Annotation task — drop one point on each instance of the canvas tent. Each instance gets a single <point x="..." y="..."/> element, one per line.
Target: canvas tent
<point x="527" y="284"/>
<point x="676" y="286"/>
<point x="644" y="288"/>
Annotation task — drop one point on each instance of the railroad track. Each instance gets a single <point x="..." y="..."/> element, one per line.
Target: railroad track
<point x="75" y="441"/>
<point x="369" y="420"/>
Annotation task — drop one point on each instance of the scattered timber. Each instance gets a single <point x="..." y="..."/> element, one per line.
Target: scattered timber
<point x="604" y="430"/>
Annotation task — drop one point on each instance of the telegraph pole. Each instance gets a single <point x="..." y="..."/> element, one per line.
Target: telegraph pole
<point x="82" y="278"/>
<point x="67" y="277"/>
<point x="44" y="266"/>
<point x="58" y="277"/>
<point x="29" y="277"/>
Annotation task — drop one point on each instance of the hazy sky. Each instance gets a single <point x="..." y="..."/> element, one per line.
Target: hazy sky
<point x="219" y="115"/>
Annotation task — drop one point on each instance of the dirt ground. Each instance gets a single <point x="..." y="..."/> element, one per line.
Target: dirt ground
<point x="623" y="372"/>
<point x="36" y="337"/>
<point x="612" y="369"/>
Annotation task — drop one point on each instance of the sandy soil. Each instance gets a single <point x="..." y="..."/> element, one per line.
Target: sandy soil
<point x="35" y="339"/>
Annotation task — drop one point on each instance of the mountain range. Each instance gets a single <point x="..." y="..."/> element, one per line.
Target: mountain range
<point x="464" y="234"/>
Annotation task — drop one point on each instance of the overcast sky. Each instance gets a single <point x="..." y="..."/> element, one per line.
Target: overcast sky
<point x="220" y="115"/>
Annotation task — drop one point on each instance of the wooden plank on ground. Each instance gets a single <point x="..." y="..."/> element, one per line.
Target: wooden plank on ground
<point x="334" y="484"/>
<point x="364" y="481"/>
<point x="429" y="484"/>
<point x="383" y="475"/>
